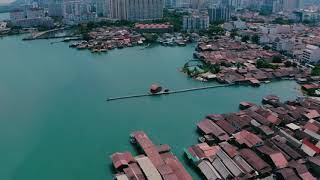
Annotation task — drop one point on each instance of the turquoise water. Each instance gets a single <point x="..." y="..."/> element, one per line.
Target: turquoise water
<point x="4" y="16"/>
<point x="56" y="124"/>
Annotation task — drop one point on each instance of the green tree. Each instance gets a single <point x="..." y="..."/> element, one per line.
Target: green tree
<point x="216" y="30"/>
<point x="263" y="63"/>
<point x="277" y="59"/>
<point x="234" y="33"/>
<point x="245" y="38"/>
<point x="255" y="39"/>
<point x="150" y="37"/>
<point x="315" y="71"/>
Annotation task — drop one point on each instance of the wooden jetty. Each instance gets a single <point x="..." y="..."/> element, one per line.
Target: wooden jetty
<point x="169" y="92"/>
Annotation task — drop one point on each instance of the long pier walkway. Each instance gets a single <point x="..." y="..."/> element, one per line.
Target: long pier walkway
<point x="169" y="92"/>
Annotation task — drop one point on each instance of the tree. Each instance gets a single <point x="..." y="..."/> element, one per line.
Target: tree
<point x="234" y="18"/>
<point x="234" y="33"/>
<point x="255" y="39"/>
<point x="245" y="38"/>
<point x="263" y="63"/>
<point x="282" y="21"/>
<point x="277" y="59"/>
<point x="266" y="48"/>
<point x="315" y="71"/>
<point x="150" y="37"/>
<point x="216" y="30"/>
<point x="288" y="64"/>
<point x="238" y="65"/>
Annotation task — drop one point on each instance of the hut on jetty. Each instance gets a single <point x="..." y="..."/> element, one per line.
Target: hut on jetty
<point x="155" y="88"/>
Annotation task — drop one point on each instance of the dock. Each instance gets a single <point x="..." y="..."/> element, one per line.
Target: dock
<point x="169" y="92"/>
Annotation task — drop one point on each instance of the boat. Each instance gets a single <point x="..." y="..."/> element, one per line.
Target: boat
<point x="202" y="139"/>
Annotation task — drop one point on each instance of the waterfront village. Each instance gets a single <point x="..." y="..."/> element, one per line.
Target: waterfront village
<point x="237" y="42"/>
<point x="278" y="140"/>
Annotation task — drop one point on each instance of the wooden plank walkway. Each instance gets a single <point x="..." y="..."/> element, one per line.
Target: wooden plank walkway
<point x="170" y="92"/>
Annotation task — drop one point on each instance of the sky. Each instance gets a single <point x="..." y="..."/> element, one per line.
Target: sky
<point x="5" y="1"/>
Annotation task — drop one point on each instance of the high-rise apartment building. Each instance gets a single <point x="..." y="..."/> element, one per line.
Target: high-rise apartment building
<point x="219" y="11"/>
<point x="195" y="22"/>
<point x="290" y="5"/>
<point x="136" y="10"/>
<point x="55" y="8"/>
<point x="75" y="12"/>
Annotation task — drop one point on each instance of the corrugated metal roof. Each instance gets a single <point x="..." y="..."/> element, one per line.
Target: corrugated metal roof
<point x="148" y="168"/>
<point x="176" y="166"/>
<point x="279" y="160"/>
<point x="134" y="172"/>
<point x="120" y="159"/>
<point x="230" y="164"/>
<point x="254" y="160"/>
<point x="229" y="149"/>
<point x="209" y="127"/>
<point x="288" y="173"/>
<point x="248" y="138"/>
<point x="293" y="126"/>
<point x="226" y="126"/>
<point x="220" y="167"/>
<point x="208" y="170"/>
<point x="266" y="130"/>
<point x="244" y="165"/>
<point x="312" y="134"/>
<point x="148" y="147"/>
<point x="290" y="139"/>
<point x="287" y="149"/>
<point x="121" y="177"/>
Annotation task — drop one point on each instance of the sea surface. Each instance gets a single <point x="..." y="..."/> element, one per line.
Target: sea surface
<point x="4" y="16"/>
<point x="56" y="124"/>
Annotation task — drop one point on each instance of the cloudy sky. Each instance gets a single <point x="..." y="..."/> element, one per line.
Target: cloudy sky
<point x="5" y="1"/>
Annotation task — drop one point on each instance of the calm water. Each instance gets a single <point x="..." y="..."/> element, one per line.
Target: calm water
<point x="56" y="124"/>
<point x="4" y="16"/>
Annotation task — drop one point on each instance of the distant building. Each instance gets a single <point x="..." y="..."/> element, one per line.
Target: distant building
<point x="35" y="13"/>
<point x="195" y="22"/>
<point x="153" y="28"/>
<point x="55" y="8"/>
<point x="283" y="44"/>
<point x="311" y="54"/>
<point x="291" y="5"/>
<point x="31" y="17"/>
<point x="102" y="8"/>
<point x="183" y="3"/>
<point x="170" y="3"/>
<point x="240" y="24"/>
<point x="271" y="6"/>
<point x="136" y="10"/>
<point x="219" y="13"/>
<point x="17" y="15"/>
<point x="310" y="15"/>
<point x="75" y="12"/>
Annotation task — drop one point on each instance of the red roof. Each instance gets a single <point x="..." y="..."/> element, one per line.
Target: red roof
<point x="152" y="26"/>
<point x="310" y="86"/>
<point x="231" y="150"/>
<point x="226" y="126"/>
<point x="148" y="147"/>
<point x="279" y="160"/>
<point x="119" y="159"/>
<point x="209" y="127"/>
<point x="247" y="138"/>
<point x="312" y="114"/>
<point x="310" y="145"/>
<point x="134" y="172"/>
<point x="255" y="161"/>
<point x="176" y="166"/>
<point x="312" y="127"/>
